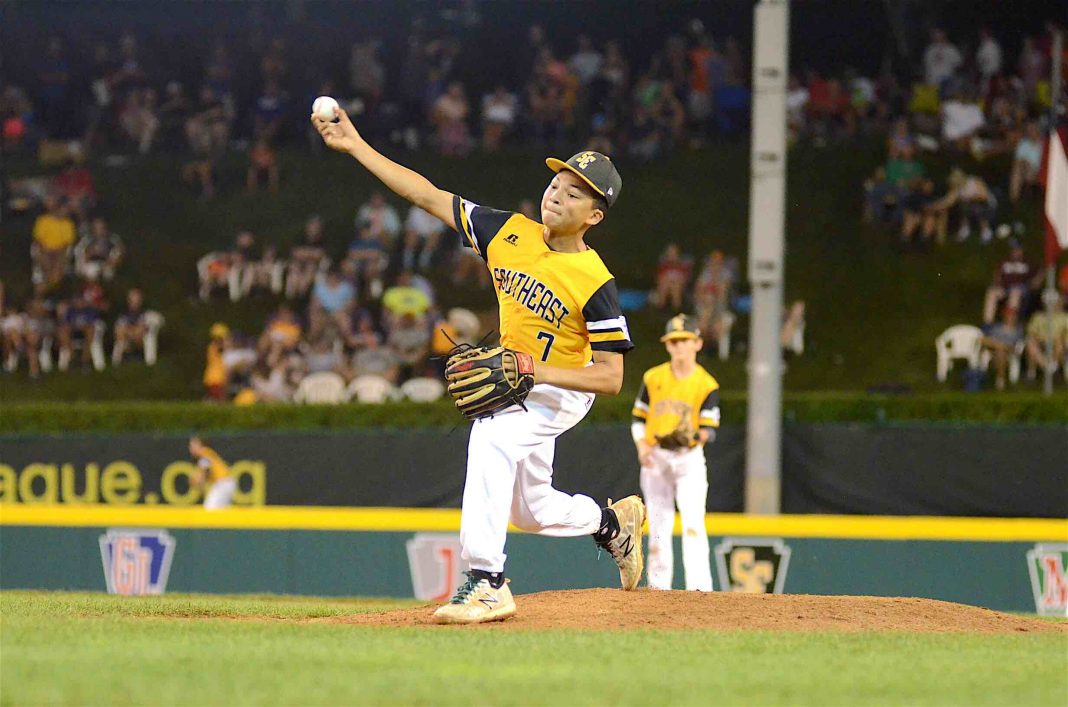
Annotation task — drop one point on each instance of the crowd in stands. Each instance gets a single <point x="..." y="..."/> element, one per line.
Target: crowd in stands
<point x="74" y="257"/>
<point x="375" y="298"/>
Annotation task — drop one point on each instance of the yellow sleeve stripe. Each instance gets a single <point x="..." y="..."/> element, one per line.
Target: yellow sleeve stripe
<point x="636" y="412"/>
<point x="600" y="338"/>
<point x="708" y="422"/>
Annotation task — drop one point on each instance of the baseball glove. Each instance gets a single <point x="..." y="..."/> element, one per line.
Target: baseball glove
<point x="485" y="380"/>
<point x="682" y="437"/>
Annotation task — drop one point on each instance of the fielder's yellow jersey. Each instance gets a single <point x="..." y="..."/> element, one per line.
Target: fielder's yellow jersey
<point x="557" y="307"/>
<point x="210" y="461"/>
<point x="664" y="401"/>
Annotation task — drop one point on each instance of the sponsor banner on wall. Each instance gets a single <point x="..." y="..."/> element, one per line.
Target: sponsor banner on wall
<point x="979" y="470"/>
<point x="1046" y="564"/>
<point x="136" y="562"/>
<point x="752" y="565"/>
<point x="435" y="564"/>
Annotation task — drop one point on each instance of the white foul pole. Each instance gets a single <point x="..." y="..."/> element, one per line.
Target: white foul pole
<point x="767" y="201"/>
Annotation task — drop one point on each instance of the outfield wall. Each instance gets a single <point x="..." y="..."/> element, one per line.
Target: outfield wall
<point x="864" y="468"/>
<point x="1007" y="564"/>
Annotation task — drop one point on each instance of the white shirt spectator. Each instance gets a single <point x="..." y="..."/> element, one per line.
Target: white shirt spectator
<point x="499" y="108"/>
<point x="960" y="119"/>
<point x="940" y="61"/>
<point x="381" y="218"/>
<point x="423" y="223"/>
<point x="988" y="57"/>
<point x="586" y="64"/>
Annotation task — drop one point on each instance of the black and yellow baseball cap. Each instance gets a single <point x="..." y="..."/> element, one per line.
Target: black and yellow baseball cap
<point x="681" y="326"/>
<point x="595" y="169"/>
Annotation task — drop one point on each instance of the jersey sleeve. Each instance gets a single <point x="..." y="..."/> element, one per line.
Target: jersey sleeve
<point x="605" y="322"/>
<point x="640" y="413"/>
<point x="709" y="415"/>
<point x="477" y="225"/>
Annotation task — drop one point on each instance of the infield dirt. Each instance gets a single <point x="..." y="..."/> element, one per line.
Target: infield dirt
<point x="608" y="609"/>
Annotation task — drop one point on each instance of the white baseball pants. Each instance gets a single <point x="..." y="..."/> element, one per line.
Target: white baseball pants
<point x="510" y="477"/>
<point x="221" y="494"/>
<point x="677" y="477"/>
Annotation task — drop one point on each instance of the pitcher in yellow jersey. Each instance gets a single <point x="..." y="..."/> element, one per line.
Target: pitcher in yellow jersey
<point x="673" y="395"/>
<point x="559" y="304"/>
<point x="213" y="472"/>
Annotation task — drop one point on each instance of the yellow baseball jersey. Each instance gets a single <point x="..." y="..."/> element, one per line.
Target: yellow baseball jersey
<point x="557" y="307"/>
<point x="210" y="460"/>
<point x="664" y="401"/>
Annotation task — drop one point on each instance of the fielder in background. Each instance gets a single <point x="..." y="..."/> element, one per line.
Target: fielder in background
<point x="563" y="336"/>
<point x="212" y="470"/>
<point x="675" y="414"/>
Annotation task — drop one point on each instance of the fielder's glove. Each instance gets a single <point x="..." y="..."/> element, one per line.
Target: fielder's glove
<point x="682" y="437"/>
<point x="485" y="380"/>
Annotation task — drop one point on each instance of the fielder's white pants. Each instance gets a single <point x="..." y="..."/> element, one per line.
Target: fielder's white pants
<point x="221" y="494"/>
<point x="510" y="477"/>
<point x="670" y="478"/>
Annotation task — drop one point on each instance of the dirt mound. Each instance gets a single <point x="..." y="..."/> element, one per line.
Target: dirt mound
<point x="607" y="609"/>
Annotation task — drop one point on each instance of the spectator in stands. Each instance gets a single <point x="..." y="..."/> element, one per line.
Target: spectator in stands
<point x="366" y="261"/>
<point x="962" y="119"/>
<point x="1013" y="282"/>
<point x="216" y="375"/>
<point x="988" y="59"/>
<point x="449" y="115"/>
<point x="77" y="319"/>
<point x="793" y="326"/>
<point x="271" y="383"/>
<point x="917" y="215"/>
<point x="323" y="355"/>
<point x="208" y="131"/>
<point x="891" y="186"/>
<point x="498" y="117"/>
<point x="140" y="118"/>
<point x="306" y="259"/>
<point x="367" y="75"/>
<point x="173" y="113"/>
<point x="331" y="304"/>
<point x="586" y="62"/>
<point x="673" y="274"/>
<point x="39" y="326"/>
<point x="270" y="112"/>
<point x="712" y="295"/>
<point x="1027" y="161"/>
<point x="99" y="252"/>
<point x="374" y="358"/>
<point x="1001" y="340"/>
<point x="422" y="232"/>
<point x="76" y="186"/>
<point x="280" y="337"/>
<point x="409" y="341"/>
<point x="1031" y="66"/>
<point x="403" y="298"/>
<point x="214" y="273"/>
<point x="381" y="220"/>
<point x="975" y="203"/>
<point x="900" y="140"/>
<point x="130" y="327"/>
<point x="1038" y="332"/>
<point x="53" y="239"/>
<point x="262" y="166"/>
<point x="11" y="332"/>
<point x="796" y="107"/>
<point x="941" y="59"/>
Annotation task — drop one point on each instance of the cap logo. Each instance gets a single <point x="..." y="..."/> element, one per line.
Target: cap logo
<point x="585" y="159"/>
<point x="678" y="323"/>
<point x="610" y="191"/>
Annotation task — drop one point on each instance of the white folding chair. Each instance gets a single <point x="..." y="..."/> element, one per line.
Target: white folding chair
<point x="371" y="389"/>
<point x="324" y="388"/>
<point x="153" y="323"/>
<point x="961" y="341"/>
<point x="423" y="390"/>
<point x="726" y="323"/>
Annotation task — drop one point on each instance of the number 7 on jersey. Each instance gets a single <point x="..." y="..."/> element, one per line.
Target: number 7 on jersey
<point x="549" y="339"/>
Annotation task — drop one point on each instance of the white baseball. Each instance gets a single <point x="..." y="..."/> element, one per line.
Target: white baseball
<point x="323" y="107"/>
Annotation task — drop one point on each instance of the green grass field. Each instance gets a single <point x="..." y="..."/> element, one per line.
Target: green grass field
<point x="206" y="650"/>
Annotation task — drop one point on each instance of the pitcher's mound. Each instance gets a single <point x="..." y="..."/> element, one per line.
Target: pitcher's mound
<point x="608" y="609"/>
